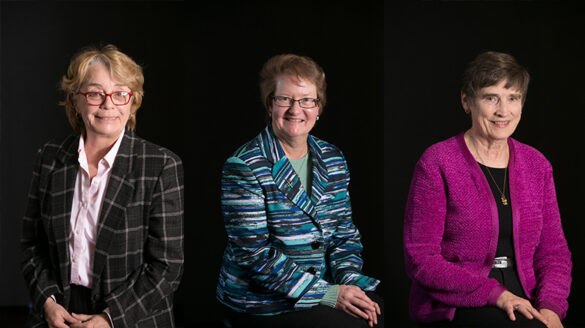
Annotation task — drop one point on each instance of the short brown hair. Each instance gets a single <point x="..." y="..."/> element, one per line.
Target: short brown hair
<point x="490" y="68"/>
<point x="121" y="67"/>
<point x="292" y="65"/>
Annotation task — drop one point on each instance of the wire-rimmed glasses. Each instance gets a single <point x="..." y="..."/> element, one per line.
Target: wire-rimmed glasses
<point x="283" y="101"/>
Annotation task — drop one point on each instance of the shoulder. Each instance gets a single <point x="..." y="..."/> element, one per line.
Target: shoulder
<point x="149" y="151"/>
<point x="527" y="152"/>
<point x="327" y="149"/>
<point x="252" y="153"/>
<point x="443" y="151"/>
<point x="526" y="155"/>
<point x="248" y="150"/>
<point x="147" y="159"/>
<point x="331" y="157"/>
<point x="58" y="147"/>
<point x="60" y="144"/>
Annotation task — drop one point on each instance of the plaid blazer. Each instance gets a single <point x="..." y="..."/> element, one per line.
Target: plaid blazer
<point x="285" y="246"/>
<point x="138" y="260"/>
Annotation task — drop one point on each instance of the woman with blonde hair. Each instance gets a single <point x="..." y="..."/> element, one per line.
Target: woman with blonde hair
<point x="103" y="229"/>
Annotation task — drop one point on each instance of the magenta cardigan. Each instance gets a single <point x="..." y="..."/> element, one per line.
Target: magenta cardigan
<point x="451" y="232"/>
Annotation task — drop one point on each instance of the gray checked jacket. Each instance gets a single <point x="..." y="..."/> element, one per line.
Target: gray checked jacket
<point x="138" y="259"/>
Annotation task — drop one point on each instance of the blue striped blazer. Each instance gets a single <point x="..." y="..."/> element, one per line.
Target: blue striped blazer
<point x="286" y="247"/>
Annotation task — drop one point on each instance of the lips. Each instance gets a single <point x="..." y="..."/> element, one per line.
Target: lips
<point x="294" y="120"/>
<point x="106" y="118"/>
<point x="500" y="123"/>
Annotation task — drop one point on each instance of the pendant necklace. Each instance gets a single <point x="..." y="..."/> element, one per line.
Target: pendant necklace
<point x="503" y="190"/>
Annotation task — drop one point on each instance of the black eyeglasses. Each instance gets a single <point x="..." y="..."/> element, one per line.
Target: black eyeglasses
<point x="118" y="98"/>
<point x="283" y="101"/>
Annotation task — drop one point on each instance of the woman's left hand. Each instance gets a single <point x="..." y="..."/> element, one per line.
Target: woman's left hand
<point x="355" y="302"/>
<point x="511" y="303"/>
<point x="91" y="321"/>
<point x="552" y="318"/>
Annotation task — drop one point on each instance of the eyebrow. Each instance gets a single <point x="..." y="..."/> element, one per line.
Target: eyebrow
<point x="515" y="94"/>
<point x="99" y="85"/>
<point x="304" y="95"/>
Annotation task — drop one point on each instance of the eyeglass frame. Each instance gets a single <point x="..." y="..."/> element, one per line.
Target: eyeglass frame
<point x="293" y="100"/>
<point x="105" y="95"/>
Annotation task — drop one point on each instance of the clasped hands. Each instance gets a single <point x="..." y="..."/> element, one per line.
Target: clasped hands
<point x="355" y="302"/>
<point x="57" y="317"/>
<point x="511" y="303"/>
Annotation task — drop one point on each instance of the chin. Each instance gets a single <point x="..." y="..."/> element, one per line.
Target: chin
<point x="502" y="137"/>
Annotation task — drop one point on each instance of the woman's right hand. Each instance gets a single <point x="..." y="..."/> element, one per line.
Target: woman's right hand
<point x="509" y="303"/>
<point x="56" y="315"/>
<point x="355" y="302"/>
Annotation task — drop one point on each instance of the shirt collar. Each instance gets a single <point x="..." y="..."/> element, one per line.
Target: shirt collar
<point x="110" y="157"/>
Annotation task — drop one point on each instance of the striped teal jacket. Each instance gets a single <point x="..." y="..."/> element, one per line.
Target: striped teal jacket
<point x="286" y="247"/>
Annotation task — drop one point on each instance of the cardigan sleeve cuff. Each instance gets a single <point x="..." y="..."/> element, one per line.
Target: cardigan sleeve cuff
<point x="330" y="297"/>
<point x="495" y="294"/>
<point x="553" y="307"/>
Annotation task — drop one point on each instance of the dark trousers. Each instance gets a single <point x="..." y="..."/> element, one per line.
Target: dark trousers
<point x="80" y="302"/>
<point x="491" y="316"/>
<point x="320" y="316"/>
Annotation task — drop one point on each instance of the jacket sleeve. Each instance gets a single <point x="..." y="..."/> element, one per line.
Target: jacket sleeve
<point x="552" y="258"/>
<point x="423" y="233"/>
<point x="244" y="211"/>
<point x="39" y="274"/>
<point x="160" y="274"/>
<point x="345" y="250"/>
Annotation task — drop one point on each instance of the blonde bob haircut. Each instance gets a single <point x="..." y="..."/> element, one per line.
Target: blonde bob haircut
<point x="295" y="66"/>
<point x="122" y="68"/>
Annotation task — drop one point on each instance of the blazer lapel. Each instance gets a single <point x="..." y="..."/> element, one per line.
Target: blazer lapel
<point x="63" y="179"/>
<point x="320" y="173"/>
<point x="117" y="196"/>
<point x="284" y="176"/>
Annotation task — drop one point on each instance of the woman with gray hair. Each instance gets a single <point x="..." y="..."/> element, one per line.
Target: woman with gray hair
<point x="483" y="240"/>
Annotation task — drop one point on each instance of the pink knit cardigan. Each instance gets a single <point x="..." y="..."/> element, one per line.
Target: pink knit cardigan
<point x="451" y="232"/>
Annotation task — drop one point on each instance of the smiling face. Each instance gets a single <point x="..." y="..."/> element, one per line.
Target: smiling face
<point x="293" y="122"/>
<point x="105" y="121"/>
<point x="495" y="112"/>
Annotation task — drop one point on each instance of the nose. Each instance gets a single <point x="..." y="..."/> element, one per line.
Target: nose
<point x="107" y="103"/>
<point x="295" y="106"/>
<point x="502" y="108"/>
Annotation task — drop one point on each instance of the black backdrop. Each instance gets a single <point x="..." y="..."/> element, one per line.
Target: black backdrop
<point x="37" y="41"/>
<point x="393" y="74"/>
<point x="426" y="48"/>
<point x="201" y="101"/>
<point x="346" y="40"/>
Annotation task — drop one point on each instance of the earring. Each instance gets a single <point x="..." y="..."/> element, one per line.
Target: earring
<point x="317" y="117"/>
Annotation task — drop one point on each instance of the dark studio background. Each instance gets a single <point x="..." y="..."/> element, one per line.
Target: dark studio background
<point x="201" y="100"/>
<point x="38" y="40"/>
<point x="345" y="38"/>
<point x="427" y="46"/>
<point x="201" y="64"/>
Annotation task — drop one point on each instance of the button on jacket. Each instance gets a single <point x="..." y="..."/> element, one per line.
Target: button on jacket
<point x="285" y="246"/>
